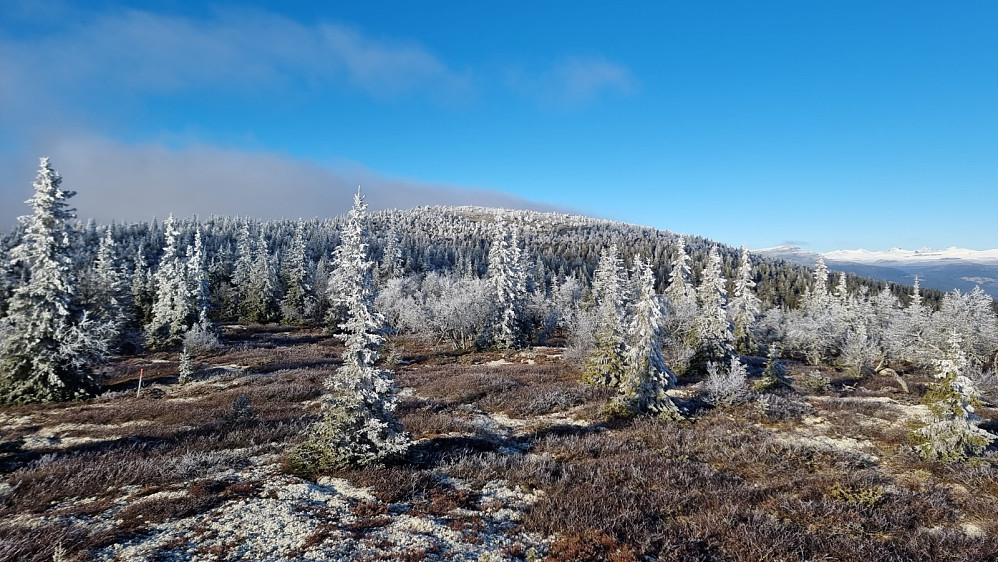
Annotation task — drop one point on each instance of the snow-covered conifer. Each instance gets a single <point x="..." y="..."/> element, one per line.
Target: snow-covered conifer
<point x="108" y="295"/>
<point x="605" y="365"/>
<point x="713" y="329"/>
<point x="507" y="277"/>
<point x="47" y="346"/>
<point x="683" y="310"/>
<point x="775" y="373"/>
<point x="358" y="427"/>
<point x="646" y="376"/>
<point x="951" y="431"/>
<point x="971" y="316"/>
<point x="186" y="368"/>
<point x="680" y="286"/>
<point x="819" y="292"/>
<point x="260" y="303"/>
<point x="143" y="289"/>
<point x="297" y="303"/>
<point x="391" y="266"/>
<point x="197" y="274"/>
<point x="173" y="312"/>
<point x="745" y="306"/>
<point x="242" y="270"/>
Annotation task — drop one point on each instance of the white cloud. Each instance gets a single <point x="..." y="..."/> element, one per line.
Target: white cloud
<point x="133" y="52"/>
<point x="575" y="81"/>
<point x="117" y="182"/>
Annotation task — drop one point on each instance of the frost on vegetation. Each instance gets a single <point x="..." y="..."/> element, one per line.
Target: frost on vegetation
<point x="775" y="374"/>
<point x="48" y="345"/>
<point x="815" y="381"/>
<point x="242" y="411"/>
<point x="646" y="378"/>
<point x="201" y="339"/>
<point x="507" y="279"/>
<point x="951" y="431"/>
<point x="726" y="386"/>
<point x="357" y="426"/>
<point x="186" y="368"/>
<point x="605" y="364"/>
<point x="173" y="311"/>
<point x="714" y="335"/>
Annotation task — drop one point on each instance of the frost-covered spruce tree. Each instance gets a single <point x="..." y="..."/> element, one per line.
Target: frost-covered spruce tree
<point x="775" y="374"/>
<point x="714" y="333"/>
<point x="605" y="364"/>
<point x="819" y="292"/>
<point x="109" y="297"/>
<point x="727" y="386"/>
<point x="507" y="277"/>
<point x="47" y="346"/>
<point x="745" y="306"/>
<point x="912" y="327"/>
<point x="646" y="376"/>
<point x="683" y="309"/>
<point x="950" y="432"/>
<point x="391" y="266"/>
<point x="143" y="289"/>
<point x="260" y="302"/>
<point x="197" y="279"/>
<point x="680" y="287"/>
<point x="242" y="269"/>
<point x="173" y="312"/>
<point x="297" y="303"/>
<point x="5" y="280"/>
<point x="357" y="427"/>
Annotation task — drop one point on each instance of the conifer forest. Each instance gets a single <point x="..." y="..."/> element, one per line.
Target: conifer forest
<point x="471" y="383"/>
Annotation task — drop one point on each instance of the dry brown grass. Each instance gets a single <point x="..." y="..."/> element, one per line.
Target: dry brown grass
<point x="733" y="484"/>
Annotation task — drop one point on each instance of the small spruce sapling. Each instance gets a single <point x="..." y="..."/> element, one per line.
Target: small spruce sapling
<point x="775" y="374"/>
<point x="242" y="411"/>
<point x="951" y="432"/>
<point x="186" y="369"/>
<point x="728" y="386"/>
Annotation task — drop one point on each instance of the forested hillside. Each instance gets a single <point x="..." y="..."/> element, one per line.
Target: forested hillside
<point x="649" y="335"/>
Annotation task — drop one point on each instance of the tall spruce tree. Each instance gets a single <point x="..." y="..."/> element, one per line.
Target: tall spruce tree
<point x="683" y="310"/>
<point x="605" y="364"/>
<point x="110" y="300"/>
<point x="509" y="285"/>
<point x="358" y="426"/>
<point x="298" y="302"/>
<point x="745" y="306"/>
<point x="198" y="283"/>
<point x="47" y="345"/>
<point x="173" y="312"/>
<point x="714" y="334"/>
<point x="260" y="303"/>
<point x="646" y="376"/>
<point x="242" y="270"/>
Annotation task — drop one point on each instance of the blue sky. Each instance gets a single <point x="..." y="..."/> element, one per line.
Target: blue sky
<point x="830" y="124"/>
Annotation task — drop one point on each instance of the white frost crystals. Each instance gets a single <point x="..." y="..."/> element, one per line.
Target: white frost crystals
<point x="357" y="427"/>
<point x="647" y="378"/>
<point x="47" y="345"/>
<point x="951" y="432"/>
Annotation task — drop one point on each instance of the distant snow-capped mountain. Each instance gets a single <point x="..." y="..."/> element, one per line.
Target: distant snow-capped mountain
<point x="945" y="270"/>
<point x="925" y="255"/>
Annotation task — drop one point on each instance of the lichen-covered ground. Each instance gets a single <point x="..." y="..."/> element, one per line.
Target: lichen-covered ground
<point x="512" y="461"/>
